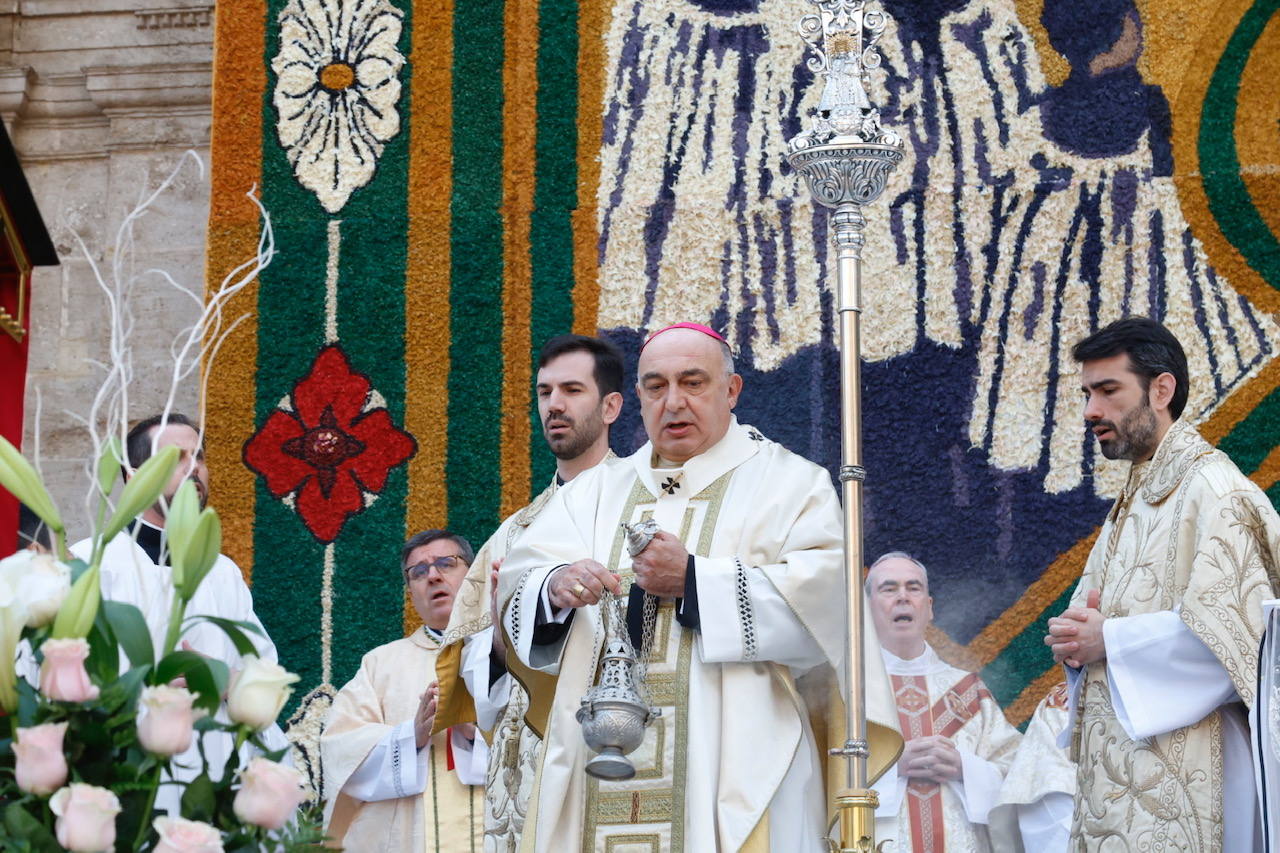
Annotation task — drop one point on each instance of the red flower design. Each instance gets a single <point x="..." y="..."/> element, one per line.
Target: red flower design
<point x="329" y="447"/>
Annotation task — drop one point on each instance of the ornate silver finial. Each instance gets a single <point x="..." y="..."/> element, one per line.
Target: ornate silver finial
<point x="845" y="155"/>
<point x="843" y="35"/>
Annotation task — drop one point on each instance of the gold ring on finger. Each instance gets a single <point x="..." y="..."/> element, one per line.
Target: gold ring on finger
<point x="578" y="589"/>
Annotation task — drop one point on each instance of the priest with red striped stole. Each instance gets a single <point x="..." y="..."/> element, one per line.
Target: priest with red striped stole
<point x="958" y="743"/>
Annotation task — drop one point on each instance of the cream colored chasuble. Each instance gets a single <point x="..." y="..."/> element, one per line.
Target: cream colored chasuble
<point x="731" y="763"/>
<point x="446" y="816"/>
<point x="1192" y="537"/>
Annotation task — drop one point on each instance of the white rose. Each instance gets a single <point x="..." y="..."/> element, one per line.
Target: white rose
<point x="258" y="692"/>
<point x="40" y="581"/>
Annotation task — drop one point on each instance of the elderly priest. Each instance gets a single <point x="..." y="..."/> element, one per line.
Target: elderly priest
<point x="737" y="601"/>
<point x="958" y="743"/>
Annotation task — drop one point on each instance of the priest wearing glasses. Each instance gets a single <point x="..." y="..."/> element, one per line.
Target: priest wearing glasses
<point x="389" y="783"/>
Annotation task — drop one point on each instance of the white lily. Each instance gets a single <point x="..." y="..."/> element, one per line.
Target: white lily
<point x="13" y="616"/>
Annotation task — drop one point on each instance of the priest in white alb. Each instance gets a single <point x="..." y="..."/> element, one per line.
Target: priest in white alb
<point x="1161" y="640"/>
<point x="738" y="600"/>
<point x="389" y="783"/>
<point x="958" y="742"/>
<point x="136" y="570"/>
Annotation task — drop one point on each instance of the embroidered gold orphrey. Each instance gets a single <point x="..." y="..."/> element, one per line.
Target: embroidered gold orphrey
<point x="647" y="812"/>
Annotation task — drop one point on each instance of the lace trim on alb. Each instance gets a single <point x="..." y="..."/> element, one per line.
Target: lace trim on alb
<point x="746" y="611"/>
<point x="395" y="768"/>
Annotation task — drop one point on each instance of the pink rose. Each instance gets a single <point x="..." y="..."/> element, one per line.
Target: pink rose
<point x="268" y="794"/>
<point x="165" y="718"/>
<point x="179" y="835"/>
<point x="41" y="767"/>
<point x="62" y="675"/>
<point x="86" y="818"/>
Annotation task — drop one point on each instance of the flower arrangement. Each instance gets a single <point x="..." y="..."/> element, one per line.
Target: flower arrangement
<point x="92" y="726"/>
<point x="96" y="717"/>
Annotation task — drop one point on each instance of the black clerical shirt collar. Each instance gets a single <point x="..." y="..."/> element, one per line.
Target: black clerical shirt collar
<point x="149" y="539"/>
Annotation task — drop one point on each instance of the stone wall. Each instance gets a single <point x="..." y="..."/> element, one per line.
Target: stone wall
<point x="101" y="99"/>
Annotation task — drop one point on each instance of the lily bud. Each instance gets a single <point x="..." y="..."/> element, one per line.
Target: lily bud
<point x="13" y="615"/>
<point x="200" y="552"/>
<point x="22" y="481"/>
<point x="143" y="489"/>
<point x="109" y="464"/>
<point x="179" y="524"/>
<point x="80" y="607"/>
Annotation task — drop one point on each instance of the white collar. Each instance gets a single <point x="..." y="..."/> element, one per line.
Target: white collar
<point x="698" y="472"/>
<point x="927" y="662"/>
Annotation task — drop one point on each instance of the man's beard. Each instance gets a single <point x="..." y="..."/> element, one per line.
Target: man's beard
<point x="1134" y="438"/>
<point x="579" y="437"/>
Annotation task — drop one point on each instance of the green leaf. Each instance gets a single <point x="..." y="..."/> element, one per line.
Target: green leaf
<point x="234" y="631"/>
<point x="201" y="551"/>
<point x="104" y="657"/>
<point x="198" y="800"/>
<point x="206" y="677"/>
<point x="122" y="694"/>
<point x="130" y="629"/>
<point x="21" y="823"/>
<point x="109" y="464"/>
<point x="22" y="481"/>
<point x="143" y="489"/>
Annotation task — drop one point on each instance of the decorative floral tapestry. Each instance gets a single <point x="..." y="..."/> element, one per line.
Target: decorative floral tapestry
<point x="452" y="183"/>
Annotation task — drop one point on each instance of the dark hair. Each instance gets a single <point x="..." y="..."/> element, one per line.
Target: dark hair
<point x="608" y="372"/>
<point x="1152" y="350"/>
<point x="31" y="530"/>
<point x="417" y="540"/>
<point x="137" y="445"/>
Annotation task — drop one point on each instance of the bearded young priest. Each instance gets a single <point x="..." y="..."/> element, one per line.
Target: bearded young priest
<point x="1161" y="640"/>
<point x="744" y="588"/>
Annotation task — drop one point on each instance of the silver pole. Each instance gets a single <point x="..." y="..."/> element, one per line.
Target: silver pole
<point x="845" y="157"/>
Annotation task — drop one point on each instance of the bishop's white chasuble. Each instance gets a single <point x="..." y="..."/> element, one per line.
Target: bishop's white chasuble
<point x="731" y="762"/>
<point x="933" y="698"/>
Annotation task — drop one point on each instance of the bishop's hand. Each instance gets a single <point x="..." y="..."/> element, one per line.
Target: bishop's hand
<point x="581" y="583"/>
<point x="660" y="567"/>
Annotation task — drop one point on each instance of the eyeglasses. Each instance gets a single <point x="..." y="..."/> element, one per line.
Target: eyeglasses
<point x="442" y="565"/>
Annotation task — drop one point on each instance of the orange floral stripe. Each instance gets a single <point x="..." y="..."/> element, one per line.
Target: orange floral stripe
<point x="591" y="71"/>
<point x="427" y="267"/>
<point x="519" y="138"/>
<point x="1060" y="576"/>
<point x="1187" y="103"/>
<point x="1257" y="117"/>
<point x="1021" y="709"/>
<point x="235" y="149"/>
